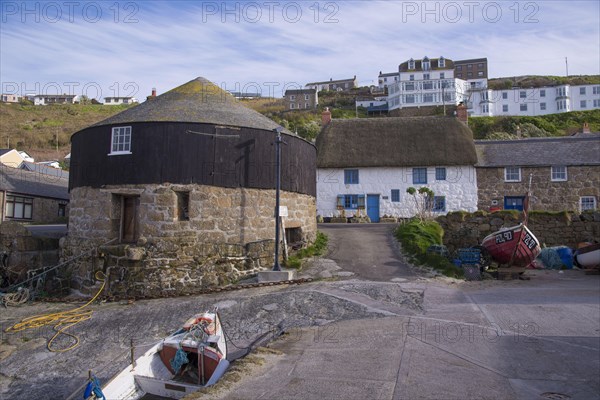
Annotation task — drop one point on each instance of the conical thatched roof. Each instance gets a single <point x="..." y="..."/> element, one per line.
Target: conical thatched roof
<point x="198" y="101"/>
<point x="395" y="142"/>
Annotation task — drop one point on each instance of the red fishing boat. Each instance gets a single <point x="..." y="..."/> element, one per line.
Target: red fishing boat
<point x="514" y="247"/>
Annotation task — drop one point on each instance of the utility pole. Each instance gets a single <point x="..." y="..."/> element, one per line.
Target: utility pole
<point x="278" y="141"/>
<point x="567" y="65"/>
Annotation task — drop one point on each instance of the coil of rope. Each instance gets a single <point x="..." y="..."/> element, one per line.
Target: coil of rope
<point x="61" y="320"/>
<point x="19" y="297"/>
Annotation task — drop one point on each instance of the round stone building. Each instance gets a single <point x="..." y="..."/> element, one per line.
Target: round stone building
<point x="177" y="194"/>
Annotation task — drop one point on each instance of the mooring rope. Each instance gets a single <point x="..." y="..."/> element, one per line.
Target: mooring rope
<point x="61" y="320"/>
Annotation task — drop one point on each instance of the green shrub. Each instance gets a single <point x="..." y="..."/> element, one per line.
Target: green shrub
<point x="318" y="248"/>
<point x="417" y="236"/>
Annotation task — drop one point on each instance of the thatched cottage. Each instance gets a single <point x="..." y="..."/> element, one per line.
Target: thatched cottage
<point x="366" y="165"/>
<point x="183" y="188"/>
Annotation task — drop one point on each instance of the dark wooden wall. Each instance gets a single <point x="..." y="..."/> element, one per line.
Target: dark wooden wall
<point x="166" y="152"/>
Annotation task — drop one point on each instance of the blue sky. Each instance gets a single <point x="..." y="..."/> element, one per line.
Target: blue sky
<point x="127" y="47"/>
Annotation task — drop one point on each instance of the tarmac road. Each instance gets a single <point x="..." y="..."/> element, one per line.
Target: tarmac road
<point x="368" y="250"/>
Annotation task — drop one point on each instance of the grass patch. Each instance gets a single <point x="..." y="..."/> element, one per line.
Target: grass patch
<point x="318" y="248"/>
<point x="416" y="237"/>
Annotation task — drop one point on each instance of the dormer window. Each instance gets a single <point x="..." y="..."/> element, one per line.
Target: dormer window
<point x="426" y="64"/>
<point x="411" y="64"/>
<point x="442" y="62"/>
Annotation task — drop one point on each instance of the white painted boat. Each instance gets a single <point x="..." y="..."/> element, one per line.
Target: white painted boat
<point x="193" y="357"/>
<point x="589" y="256"/>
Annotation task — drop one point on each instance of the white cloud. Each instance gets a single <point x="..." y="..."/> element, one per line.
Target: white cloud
<point x="174" y="42"/>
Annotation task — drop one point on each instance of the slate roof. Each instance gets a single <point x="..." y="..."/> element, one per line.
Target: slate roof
<point x="20" y="181"/>
<point x="332" y="81"/>
<point x="531" y="152"/>
<point x="300" y="91"/>
<point x="395" y="142"/>
<point x="44" y="169"/>
<point x="4" y="151"/>
<point x="197" y="101"/>
<point x="448" y="64"/>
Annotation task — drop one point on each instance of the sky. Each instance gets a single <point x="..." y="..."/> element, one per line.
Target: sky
<point x="125" y="48"/>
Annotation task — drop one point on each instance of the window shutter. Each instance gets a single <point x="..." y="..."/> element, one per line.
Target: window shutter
<point x="361" y="201"/>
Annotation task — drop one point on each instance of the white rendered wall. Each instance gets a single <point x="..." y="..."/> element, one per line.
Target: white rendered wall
<point x="459" y="188"/>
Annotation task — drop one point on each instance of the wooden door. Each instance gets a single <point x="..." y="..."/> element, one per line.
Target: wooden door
<point x="129" y="219"/>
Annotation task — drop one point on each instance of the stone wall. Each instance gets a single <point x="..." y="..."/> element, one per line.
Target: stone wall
<point x="551" y="228"/>
<point x="547" y="195"/>
<point x="22" y="256"/>
<point x="228" y="234"/>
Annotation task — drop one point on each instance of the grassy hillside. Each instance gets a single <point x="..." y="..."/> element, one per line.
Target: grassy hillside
<point x="543" y="125"/>
<point x="533" y="81"/>
<point x="35" y="129"/>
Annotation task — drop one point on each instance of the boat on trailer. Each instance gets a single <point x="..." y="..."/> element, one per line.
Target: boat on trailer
<point x="516" y="246"/>
<point x="193" y="357"/>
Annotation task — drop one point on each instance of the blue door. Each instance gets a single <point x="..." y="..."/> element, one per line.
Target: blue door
<point x="514" y="203"/>
<point x="373" y="207"/>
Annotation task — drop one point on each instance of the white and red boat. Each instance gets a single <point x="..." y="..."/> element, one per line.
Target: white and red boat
<point x="193" y="357"/>
<point x="588" y="256"/>
<point x="514" y="247"/>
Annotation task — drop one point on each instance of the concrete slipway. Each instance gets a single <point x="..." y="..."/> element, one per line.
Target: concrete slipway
<point x="412" y="336"/>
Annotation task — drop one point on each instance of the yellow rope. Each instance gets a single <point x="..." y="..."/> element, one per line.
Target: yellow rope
<point x="61" y="320"/>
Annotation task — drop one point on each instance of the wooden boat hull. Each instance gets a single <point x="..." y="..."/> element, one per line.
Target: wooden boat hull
<point x="589" y="256"/>
<point x="154" y="374"/>
<point x="515" y="246"/>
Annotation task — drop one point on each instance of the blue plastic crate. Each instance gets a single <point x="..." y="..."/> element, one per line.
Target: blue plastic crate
<point x="469" y="256"/>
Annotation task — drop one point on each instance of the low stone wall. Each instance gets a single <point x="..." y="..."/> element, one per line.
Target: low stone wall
<point x="22" y="256"/>
<point x="228" y="234"/>
<point x="463" y="229"/>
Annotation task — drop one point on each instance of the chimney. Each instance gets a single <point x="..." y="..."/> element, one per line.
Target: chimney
<point x="461" y="113"/>
<point x="326" y="116"/>
<point x="153" y="95"/>
<point x="586" y="128"/>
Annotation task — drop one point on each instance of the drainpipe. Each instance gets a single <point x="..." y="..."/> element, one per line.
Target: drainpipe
<point x="3" y="205"/>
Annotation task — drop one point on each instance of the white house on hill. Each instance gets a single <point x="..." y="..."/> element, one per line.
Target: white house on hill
<point x="366" y="165"/>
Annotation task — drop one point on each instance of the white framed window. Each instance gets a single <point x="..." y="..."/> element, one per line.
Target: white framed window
<point x="542" y="106"/>
<point x="292" y="106"/>
<point x="558" y="173"/>
<point x="582" y="90"/>
<point x="561" y="92"/>
<point x="583" y="104"/>
<point x="512" y="174"/>
<point x="121" y="140"/>
<point x="305" y="97"/>
<point x="442" y="75"/>
<point x="596" y="103"/>
<point x="293" y="97"/>
<point x="504" y="95"/>
<point x="523" y="107"/>
<point x="425" y="76"/>
<point x="587" y="203"/>
<point x="441" y="62"/>
<point x="485" y="108"/>
<point x="18" y="207"/>
<point x="523" y="94"/>
<point x="480" y="73"/>
<point x="411" y="77"/>
<point x="542" y="92"/>
<point x="596" y="90"/>
<point x="411" y="64"/>
<point x="504" y="107"/>
<point x="426" y="64"/>
<point x="306" y="105"/>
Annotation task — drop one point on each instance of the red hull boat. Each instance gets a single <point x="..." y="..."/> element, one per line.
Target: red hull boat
<point x="513" y="247"/>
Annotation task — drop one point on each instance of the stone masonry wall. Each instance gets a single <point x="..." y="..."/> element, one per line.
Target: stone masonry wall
<point x="229" y="234"/>
<point x="552" y="229"/>
<point x="547" y="195"/>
